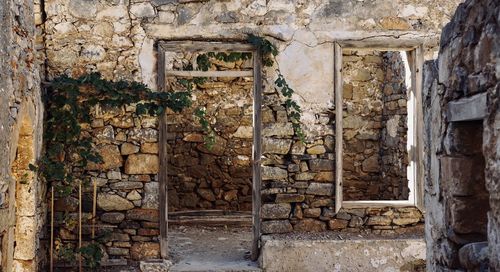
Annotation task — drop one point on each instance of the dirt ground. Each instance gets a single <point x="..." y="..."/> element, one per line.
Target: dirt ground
<point x="210" y="249"/>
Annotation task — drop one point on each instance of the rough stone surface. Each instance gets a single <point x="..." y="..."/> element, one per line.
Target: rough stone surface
<point x="462" y="142"/>
<point x="109" y="202"/>
<point x="340" y="255"/>
<point x="142" y="164"/>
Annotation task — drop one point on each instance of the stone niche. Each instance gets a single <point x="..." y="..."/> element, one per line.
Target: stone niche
<point x="375" y="95"/>
<point x="204" y="175"/>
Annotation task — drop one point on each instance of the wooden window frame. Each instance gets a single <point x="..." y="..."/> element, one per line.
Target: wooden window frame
<point x="204" y="46"/>
<point x="415" y="53"/>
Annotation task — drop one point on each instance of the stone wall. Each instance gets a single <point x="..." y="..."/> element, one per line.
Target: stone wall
<point x="375" y="126"/>
<point x="118" y="39"/>
<point x="462" y="120"/>
<point x="21" y="195"/>
<point x="218" y="175"/>
<point x="127" y="188"/>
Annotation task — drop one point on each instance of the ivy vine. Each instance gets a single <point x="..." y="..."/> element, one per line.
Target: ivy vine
<point x="269" y="53"/>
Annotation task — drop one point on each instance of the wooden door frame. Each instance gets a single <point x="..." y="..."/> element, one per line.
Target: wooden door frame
<point x="204" y="46"/>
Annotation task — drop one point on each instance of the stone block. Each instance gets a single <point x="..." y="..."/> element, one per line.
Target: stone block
<point x="317" y="165"/>
<point x="288" y="198"/>
<point x="316" y="150"/>
<point x="145" y="251"/>
<point x="312" y="212"/>
<point x="126" y="185"/>
<point x="273" y="173"/>
<point x="244" y="132"/>
<point x="113" y="218"/>
<point x="310" y="225"/>
<point x="111" y="202"/>
<point x="149" y="148"/>
<point x="128" y="148"/>
<point x="378" y="221"/>
<point x="276" y="226"/>
<point x="371" y="164"/>
<point x="468" y="214"/>
<point x="118" y="251"/>
<point x="276" y="146"/>
<point x="278" y="129"/>
<point x="143" y="215"/>
<point x="151" y="195"/>
<point x="337" y="224"/>
<point x="459" y="175"/>
<point x="148" y="135"/>
<point x="26" y="229"/>
<point x="325" y="189"/>
<point x="111" y="158"/>
<point x="276" y="211"/>
<point x="325" y="176"/>
<point x="142" y="164"/>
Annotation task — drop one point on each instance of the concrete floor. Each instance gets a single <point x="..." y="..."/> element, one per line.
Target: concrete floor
<point x="210" y="249"/>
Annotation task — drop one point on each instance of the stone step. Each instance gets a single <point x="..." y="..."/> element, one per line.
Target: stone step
<point x="244" y="266"/>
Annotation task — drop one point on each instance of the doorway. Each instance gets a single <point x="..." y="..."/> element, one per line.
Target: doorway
<point x="208" y="173"/>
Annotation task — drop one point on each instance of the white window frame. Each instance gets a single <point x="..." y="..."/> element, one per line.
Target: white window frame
<point x="415" y="125"/>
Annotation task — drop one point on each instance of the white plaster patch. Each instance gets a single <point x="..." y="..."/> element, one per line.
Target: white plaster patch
<point x="309" y="71"/>
<point x="114" y="12"/>
<point x="143" y="10"/>
<point x="306" y="37"/>
<point x="392" y="126"/>
<point x="411" y="10"/>
<point x="147" y="61"/>
<point x="63" y="28"/>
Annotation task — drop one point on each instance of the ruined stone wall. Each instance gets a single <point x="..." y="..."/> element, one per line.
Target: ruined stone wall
<point x="375" y="157"/>
<point x="127" y="188"/>
<point x="21" y="194"/>
<point x="117" y="38"/>
<point x="204" y="175"/>
<point x="462" y="125"/>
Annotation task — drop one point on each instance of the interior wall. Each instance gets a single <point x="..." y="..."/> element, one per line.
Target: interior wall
<point x="218" y="175"/>
<point x="375" y="126"/>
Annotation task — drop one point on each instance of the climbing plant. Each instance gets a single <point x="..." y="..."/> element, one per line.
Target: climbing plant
<point x="269" y="53"/>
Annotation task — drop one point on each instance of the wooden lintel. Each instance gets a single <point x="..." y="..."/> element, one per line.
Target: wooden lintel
<point x="200" y="46"/>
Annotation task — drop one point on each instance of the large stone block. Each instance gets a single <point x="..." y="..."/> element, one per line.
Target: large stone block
<point x="151" y="195"/>
<point x="110" y="202"/>
<point x="273" y="173"/>
<point x="144" y="215"/>
<point x="276" y="211"/>
<point x="325" y="189"/>
<point x="276" y="146"/>
<point x="142" y="164"/>
<point x="25" y="235"/>
<point x="145" y="251"/>
<point x="276" y="226"/>
<point x="317" y="165"/>
<point x="111" y="158"/>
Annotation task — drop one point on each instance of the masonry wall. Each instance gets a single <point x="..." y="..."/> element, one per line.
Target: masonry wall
<point x="21" y="194"/>
<point x="118" y="39"/>
<point x="462" y="125"/>
<point x="375" y="126"/>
